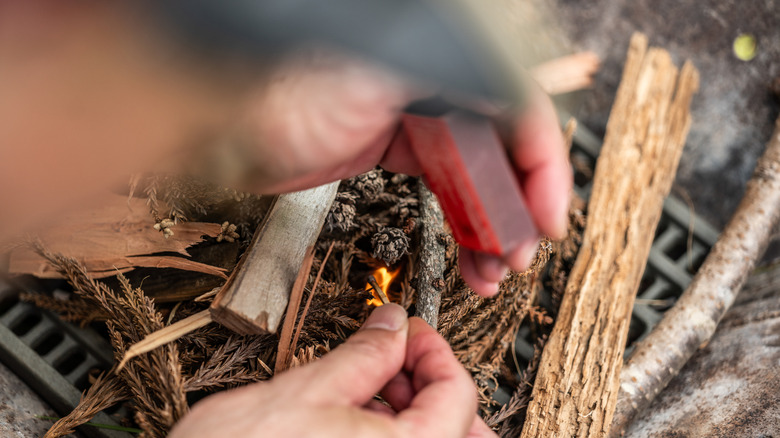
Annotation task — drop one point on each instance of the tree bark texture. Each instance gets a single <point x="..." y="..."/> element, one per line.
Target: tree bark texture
<point x="692" y="321"/>
<point x="430" y="276"/>
<point x="577" y="383"/>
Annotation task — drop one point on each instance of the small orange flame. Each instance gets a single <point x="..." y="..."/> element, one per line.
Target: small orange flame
<point x="383" y="278"/>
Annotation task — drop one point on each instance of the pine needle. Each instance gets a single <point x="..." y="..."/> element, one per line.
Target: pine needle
<point x="104" y="393"/>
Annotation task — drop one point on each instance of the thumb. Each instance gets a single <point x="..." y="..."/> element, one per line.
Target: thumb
<point x="356" y="370"/>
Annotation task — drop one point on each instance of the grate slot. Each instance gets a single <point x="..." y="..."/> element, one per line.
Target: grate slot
<point x="47" y="341"/>
<point x="669" y="241"/>
<point x="25" y="323"/>
<point x="671" y="270"/>
<point x="41" y="329"/>
<point x="657" y="291"/>
<point x="69" y="360"/>
<point x="13" y="314"/>
<point x="60" y="350"/>
<point x="81" y="371"/>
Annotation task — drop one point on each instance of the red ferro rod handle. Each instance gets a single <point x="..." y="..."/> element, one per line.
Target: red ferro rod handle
<point x="468" y="168"/>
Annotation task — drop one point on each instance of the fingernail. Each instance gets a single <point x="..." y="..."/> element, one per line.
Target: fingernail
<point x="528" y="252"/>
<point x="388" y="317"/>
<point x="490" y="267"/>
<point x="489" y="290"/>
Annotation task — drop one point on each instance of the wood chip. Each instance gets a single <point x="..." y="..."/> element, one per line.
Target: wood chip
<point x="166" y="335"/>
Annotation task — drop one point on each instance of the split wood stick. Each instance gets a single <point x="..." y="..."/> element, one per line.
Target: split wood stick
<point x="294" y="343"/>
<point x="577" y="384"/>
<point x="166" y="335"/>
<point x="430" y="276"/>
<point x="255" y="297"/>
<point x="692" y="321"/>
<point x="285" y="352"/>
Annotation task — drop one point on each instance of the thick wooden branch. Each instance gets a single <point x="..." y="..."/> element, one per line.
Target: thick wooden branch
<point x="256" y="295"/>
<point x="577" y="384"/>
<point x="692" y="321"/>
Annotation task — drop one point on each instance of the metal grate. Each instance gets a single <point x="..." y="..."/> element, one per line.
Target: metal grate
<point x="53" y="357"/>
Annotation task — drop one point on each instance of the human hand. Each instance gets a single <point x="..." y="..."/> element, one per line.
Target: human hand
<point x="321" y="118"/>
<point x="404" y="360"/>
<point x="330" y="117"/>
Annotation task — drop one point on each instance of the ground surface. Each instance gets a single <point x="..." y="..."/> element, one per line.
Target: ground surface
<point x="18" y="408"/>
<point x="731" y="387"/>
<point x="733" y="112"/>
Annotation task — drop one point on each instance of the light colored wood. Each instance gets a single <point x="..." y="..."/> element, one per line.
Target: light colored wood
<point x="255" y="297"/>
<point x="577" y="383"/>
<point x="693" y="319"/>
<point x="285" y="351"/>
<point x="302" y="320"/>
<point x="567" y="73"/>
<point x="165" y="335"/>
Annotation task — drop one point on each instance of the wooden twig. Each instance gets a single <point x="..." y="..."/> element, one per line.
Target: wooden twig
<point x="255" y="297"/>
<point x="692" y="321"/>
<point x="568" y="133"/>
<point x="168" y="334"/>
<point x="294" y="343"/>
<point x="430" y="274"/>
<point x="567" y="73"/>
<point x="577" y="384"/>
<point x="378" y="289"/>
<point x="285" y="351"/>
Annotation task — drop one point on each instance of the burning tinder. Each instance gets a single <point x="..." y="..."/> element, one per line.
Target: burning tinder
<point x="379" y="284"/>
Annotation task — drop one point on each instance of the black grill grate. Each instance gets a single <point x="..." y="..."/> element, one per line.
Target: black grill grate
<point x="53" y="357"/>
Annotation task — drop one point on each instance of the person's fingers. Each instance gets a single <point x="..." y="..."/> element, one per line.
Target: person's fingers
<point x="398" y="391"/>
<point x="480" y="430"/>
<point x="491" y="268"/>
<point x="356" y="370"/>
<point x="540" y="157"/>
<point x="322" y="116"/>
<point x="364" y="162"/>
<point x="520" y="258"/>
<point x="472" y="277"/>
<point x="445" y="399"/>
<point x="379" y="407"/>
<point x="399" y="157"/>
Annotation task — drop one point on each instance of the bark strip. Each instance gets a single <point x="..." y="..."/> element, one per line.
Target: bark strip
<point x="577" y="384"/>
